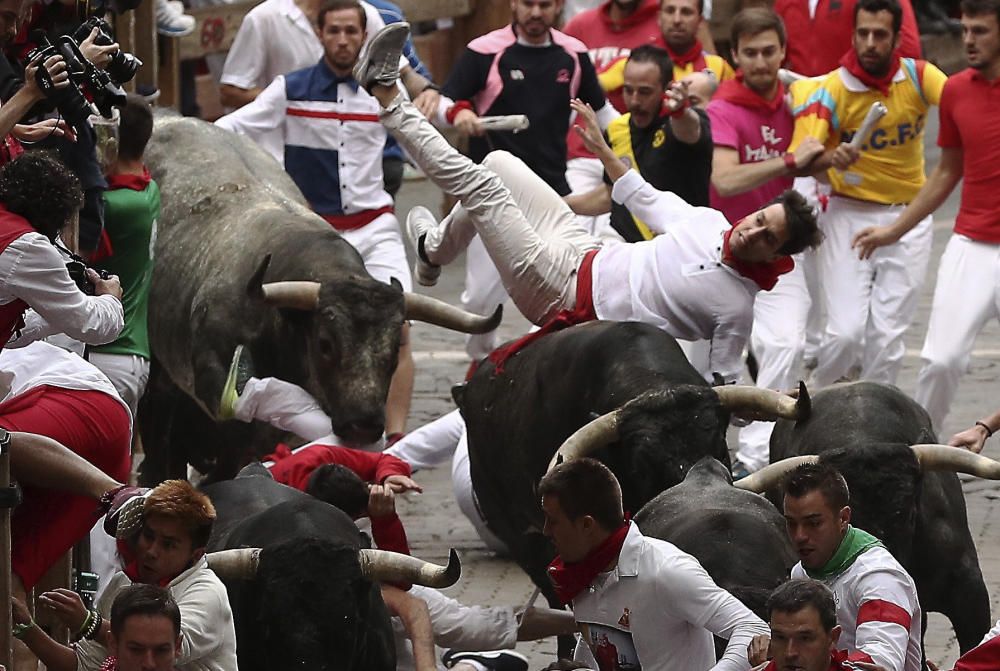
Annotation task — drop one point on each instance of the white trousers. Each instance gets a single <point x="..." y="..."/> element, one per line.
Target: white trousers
<point x="869" y="304"/>
<point x="815" y="193"/>
<point x="457" y="626"/>
<point x="129" y="373"/>
<point x="380" y="244"/>
<point x="967" y="295"/>
<point x="778" y="340"/>
<point x="433" y="444"/>
<point x="483" y="293"/>
<point x="528" y="230"/>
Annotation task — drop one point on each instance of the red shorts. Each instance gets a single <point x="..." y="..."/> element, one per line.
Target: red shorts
<point x="49" y="522"/>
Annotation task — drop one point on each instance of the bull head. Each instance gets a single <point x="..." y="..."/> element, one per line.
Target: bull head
<point x="376" y="565"/>
<point x="744" y="401"/>
<point x="931" y="457"/>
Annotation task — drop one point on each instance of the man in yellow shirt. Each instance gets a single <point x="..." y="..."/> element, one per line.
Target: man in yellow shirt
<point x="679" y="21"/>
<point x="871" y="302"/>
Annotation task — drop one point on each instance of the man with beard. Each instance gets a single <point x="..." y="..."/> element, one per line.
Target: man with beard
<point x="610" y="32"/>
<point x="333" y="151"/>
<point x="804" y="631"/>
<point x="680" y="21"/>
<point x="871" y="301"/>
<point x="877" y="606"/>
<point x="966" y="296"/>
<point x="752" y="128"/>
<point x="527" y="68"/>
<point x="666" y="140"/>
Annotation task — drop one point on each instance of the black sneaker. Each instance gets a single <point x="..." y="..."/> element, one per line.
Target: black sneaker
<point x="496" y="660"/>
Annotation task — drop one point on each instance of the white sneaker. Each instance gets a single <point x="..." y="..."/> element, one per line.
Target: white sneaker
<point x="171" y="21"/>
<point x="419" y="222"/>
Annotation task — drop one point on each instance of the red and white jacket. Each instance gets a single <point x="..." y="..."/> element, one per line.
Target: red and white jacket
<point x="878" y="610"/>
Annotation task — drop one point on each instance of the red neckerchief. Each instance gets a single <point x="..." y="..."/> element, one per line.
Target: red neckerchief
<point x="130" y="181"/>
<point x="851" y="63"/>
<point x="765" y="273"/>
<point x="696" y="55"/>
<point x="838" y="662"/>
<point x="571" y="579"/>
<point x="281" y="451"/>
<point x="131" y="567"/>
<point x="738" y="93"/>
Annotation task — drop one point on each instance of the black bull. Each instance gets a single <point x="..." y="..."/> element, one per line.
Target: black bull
<point x="309" y="597"/>
<point x="518" y="420"/>
<point x="909" y="498"/>
<point x="240" y="259"/>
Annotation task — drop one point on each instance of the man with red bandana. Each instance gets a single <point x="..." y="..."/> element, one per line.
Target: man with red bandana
<point x="752" y="123"/>
<point x="696" y="280"/>
<point x="654" y="605"/>
<point x="870" y="301"/>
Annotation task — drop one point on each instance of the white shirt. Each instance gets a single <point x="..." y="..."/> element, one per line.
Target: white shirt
<point x="658" y="608"/>
<point x="274" y="39"/>
<point x="879" y="592"/>
<point x="33" y="270"/>
<point x="676" y="281"/>
<point x="40" y="363"/>
<point x="208" y="638"/>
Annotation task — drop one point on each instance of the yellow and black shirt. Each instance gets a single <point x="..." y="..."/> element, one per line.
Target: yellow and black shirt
<point x="663" y="161"/>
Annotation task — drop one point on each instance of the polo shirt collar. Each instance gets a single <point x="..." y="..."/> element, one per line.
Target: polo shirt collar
<point x="327" y="79"/>
<point x="977" y="76"/>
<point x="628" y="558"/>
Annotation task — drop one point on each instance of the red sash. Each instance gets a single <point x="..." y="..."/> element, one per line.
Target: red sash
<point x="582" y="312"/>
<point x="352" y="222"/>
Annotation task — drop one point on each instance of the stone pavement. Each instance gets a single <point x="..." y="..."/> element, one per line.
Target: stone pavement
<point x="434" y="522"/>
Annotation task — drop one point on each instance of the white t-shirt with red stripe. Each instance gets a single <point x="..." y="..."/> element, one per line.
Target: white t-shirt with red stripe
<point x="878" y="610"/>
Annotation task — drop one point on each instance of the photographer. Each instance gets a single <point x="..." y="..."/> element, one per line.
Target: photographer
<point x="39" y="197"/>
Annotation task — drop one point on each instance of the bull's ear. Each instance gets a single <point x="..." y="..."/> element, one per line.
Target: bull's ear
<point x="803" y="403"/>
<point x="395" y="283"/>
<point x="255" y="286"/>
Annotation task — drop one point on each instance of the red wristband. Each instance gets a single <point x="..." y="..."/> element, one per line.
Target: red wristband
<point x="790" y="161"/>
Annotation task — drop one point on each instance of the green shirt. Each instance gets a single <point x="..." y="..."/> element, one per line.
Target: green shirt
<point x="130" y="221"/>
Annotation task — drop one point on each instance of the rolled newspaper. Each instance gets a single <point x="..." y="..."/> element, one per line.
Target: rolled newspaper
<point x="875" y="112"/>
<point x="511" y="122"/>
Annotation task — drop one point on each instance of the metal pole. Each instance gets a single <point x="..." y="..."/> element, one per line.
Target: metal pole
<point x="5" y="582"/>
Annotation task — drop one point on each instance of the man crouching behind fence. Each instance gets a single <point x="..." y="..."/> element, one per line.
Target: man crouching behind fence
<point x="164" y="545"/>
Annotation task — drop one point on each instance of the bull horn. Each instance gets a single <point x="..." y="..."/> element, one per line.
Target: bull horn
<point x="589" y="438"/>
<point x="766" y="402"/>
<point x="769" y="476"/>
<point x="433" y="311"/>
<point x="949" y="458"/>
<point x="234" y="564"/>
<point x="385" y="566"/>
<point x="292" y="295"/>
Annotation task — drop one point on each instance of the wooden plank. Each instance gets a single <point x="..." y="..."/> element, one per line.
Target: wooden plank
<point x="6" y="620"/>
<point x="215" y="29"/>
<point x="416" y="11"/>
<point x="146" y="45"/>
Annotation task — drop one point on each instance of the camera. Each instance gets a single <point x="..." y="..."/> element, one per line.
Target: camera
<point x="78" y="273"/>
<point x="89" y="85"/>
<point x="123" y="66"/>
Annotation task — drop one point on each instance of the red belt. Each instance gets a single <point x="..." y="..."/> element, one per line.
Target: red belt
<point x="582" y="312"/>
<point x="352" y="222"/>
